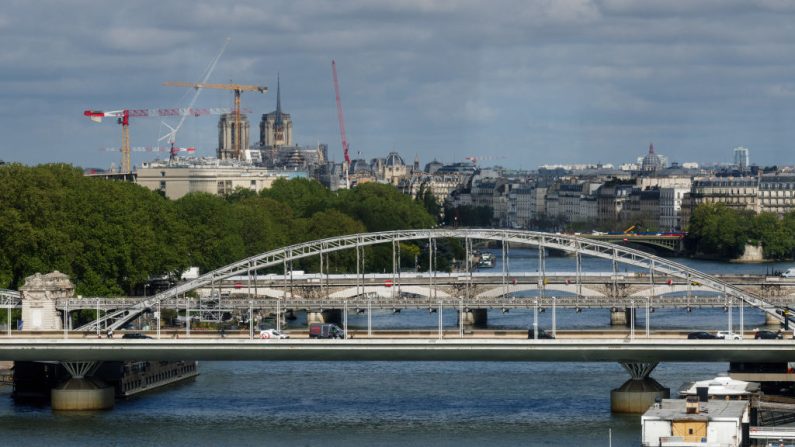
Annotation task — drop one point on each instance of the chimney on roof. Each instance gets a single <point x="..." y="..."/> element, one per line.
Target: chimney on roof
<point x="691" y="405"/>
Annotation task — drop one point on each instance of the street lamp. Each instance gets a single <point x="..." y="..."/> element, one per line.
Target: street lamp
<point x="158" y="320"/>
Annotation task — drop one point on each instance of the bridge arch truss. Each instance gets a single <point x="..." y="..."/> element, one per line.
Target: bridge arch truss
<point x="578" y="246"/>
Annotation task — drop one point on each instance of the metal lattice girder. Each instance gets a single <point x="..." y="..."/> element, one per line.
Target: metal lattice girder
<point x="568" y="301"/>
<point x="562" y="242"/>
<point x="9" y="298"/>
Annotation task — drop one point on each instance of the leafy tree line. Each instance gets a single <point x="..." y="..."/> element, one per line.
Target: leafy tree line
<point x="110" y="237"/>
<point x="716" y="230"/>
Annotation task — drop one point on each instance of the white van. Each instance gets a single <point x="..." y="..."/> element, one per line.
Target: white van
<point x="790" y="273"/>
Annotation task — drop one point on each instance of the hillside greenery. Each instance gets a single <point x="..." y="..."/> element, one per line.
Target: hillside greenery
<point x="110" y="237"/>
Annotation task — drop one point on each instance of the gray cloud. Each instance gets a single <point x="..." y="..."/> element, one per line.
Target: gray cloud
<point x="536" y="81"/>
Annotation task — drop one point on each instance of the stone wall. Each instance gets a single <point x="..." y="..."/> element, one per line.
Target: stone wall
<point x="752" y="253"/>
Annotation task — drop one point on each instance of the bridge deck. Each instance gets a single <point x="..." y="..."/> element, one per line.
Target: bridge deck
<point x="561" y="350"/>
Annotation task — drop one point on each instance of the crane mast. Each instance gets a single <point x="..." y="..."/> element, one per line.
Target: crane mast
<point x="172" y="134"/>
<point x="237" y="89"/>
<point x="341" y="118"/>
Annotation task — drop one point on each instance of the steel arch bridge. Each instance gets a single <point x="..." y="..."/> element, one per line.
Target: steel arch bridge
<point x="579" y="246"/>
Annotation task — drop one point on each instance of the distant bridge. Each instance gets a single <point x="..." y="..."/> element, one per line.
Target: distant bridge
<point x="670" y="242"/>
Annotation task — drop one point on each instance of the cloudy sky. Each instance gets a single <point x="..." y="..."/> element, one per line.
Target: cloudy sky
<point x="533" y="81"/>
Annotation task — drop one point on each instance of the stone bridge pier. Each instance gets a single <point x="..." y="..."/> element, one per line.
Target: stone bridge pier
<point x="619" y="316"/>
<point x="474" y="318"/>
<point x="770" y="291"/>
<point x="324" y="316"/>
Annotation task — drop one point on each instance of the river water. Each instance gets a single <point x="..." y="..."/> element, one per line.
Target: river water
<point x="383" y="403"/>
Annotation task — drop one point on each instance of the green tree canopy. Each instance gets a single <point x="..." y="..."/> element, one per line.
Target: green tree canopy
<point x="110" y="237"/>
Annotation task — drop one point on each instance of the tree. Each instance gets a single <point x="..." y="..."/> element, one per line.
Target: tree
<point x="382" y="207"/>
<point x="213" y="234"/>
<point x="775" y="236"/>
<point x="305" y="197"/>
<point x="716" y="230"/>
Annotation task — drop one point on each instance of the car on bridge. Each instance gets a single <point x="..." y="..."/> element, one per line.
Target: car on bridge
<point x="325" y="330"/>
<point x="701" y="335"/>
<point x="135" y="336"/>
<point x="768" y="335"/>
<point x="542" y="334"/>
<point x="727" y="335"/>
<point x="272" y="333"/>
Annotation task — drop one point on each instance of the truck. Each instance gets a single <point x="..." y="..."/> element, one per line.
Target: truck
<point x="325" y="330"/>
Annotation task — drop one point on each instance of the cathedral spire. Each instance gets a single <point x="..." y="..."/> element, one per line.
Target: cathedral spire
<point x="278" y="101"/>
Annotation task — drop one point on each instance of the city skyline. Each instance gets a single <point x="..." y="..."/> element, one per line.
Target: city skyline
<point x="544" y="82"/>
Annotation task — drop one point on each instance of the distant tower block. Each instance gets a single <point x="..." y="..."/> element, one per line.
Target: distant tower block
<point x="742" y="158"/>
<point x="227" y="134"/>
<point x="39" y="295"/>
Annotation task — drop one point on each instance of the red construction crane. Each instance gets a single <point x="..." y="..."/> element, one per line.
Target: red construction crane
<point x="123" y="118"/>
<point x="341" y="118"/>
<point x="172" y="149"/>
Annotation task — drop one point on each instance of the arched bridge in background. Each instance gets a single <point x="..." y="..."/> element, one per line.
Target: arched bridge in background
<point x="579" y="246"/>
<point x="673" y="242"/>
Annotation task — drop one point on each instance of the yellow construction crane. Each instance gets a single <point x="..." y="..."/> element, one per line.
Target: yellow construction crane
<point x="237" y="88"/>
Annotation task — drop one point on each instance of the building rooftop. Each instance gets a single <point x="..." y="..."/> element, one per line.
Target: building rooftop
<point x="674" y="409"/>
<point x="197" y="162"/>
<point x="394" y="159"/>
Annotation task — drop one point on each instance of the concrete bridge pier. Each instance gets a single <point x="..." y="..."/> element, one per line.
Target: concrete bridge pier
<point x="620" y="317"/>
<point x="770" y="320"/>
<point x="82" y="393"/>
<point x="638" y="393"/>
<point x="324" y="316"/>
<point x="475" y="318"/>
<point x="282" y="316"/>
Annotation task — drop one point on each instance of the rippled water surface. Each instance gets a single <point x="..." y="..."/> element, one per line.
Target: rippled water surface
<point x="359" y="404"/>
